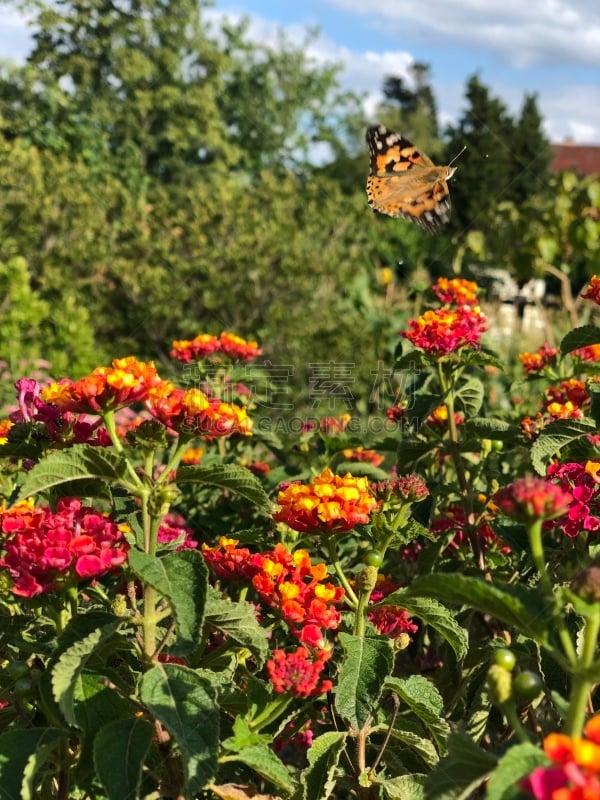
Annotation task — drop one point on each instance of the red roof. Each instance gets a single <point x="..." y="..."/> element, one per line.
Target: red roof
<point x="584" y="158"/>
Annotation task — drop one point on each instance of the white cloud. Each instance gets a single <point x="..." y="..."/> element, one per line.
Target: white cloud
<point x="523" y="33"/>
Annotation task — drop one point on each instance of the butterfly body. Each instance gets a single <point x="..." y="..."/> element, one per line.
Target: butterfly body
<point x="404" y="182"/>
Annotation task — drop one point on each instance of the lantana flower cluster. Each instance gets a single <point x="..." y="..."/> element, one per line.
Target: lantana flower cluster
<point x="299" y="673"/>
<point x="328" y="504"/>
<point x="532" y="498"/>
<point x="205" y="344"/>
<point x="286" y="582"/>
<point x="582" y="482"/>
<point x="61" y="426"/>
<point x="391" y="621"/>
<point x="460" y="323"/>
<point x="191" y="412"/>
<point x="125" y="382"/>
<point x="454" y="520"/>
<point x="534" y="363"/>
<point x="574" y="773"/>
<point x="45" y="550"/>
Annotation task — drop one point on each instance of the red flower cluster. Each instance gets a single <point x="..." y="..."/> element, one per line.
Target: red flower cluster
<point x="205" y="344"/>
<point x="592" y="290"/>
<point x="360" y="454"/>
<point x="125" y="382"/>
<point x="173" y="528"/>
<point x="446" y="330"/>
<point x="575" y="770"/>
<point x="329" y="504"/>
<point x="454" y="519"/>
<point x="582" y="482"/>
<point x="299" y="673"/>
<point x="45" y="550"/>
<point x="390" y="621"/>
<point x="591" y="353"/>
<point x="193" y="413"/>
<point x="568" y="400"/>
<point x="455" y="291"/>
<point x="546" y="356"/>
<point x="531" y="498"/>
<point x="285" y="582"/>
<point x="62" y="427"/>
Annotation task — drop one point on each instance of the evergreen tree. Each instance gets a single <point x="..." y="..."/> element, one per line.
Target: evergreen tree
<point x="412" y="109"/>
<point x="501" y="154"/>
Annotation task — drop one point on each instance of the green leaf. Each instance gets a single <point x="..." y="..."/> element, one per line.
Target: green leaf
<point x="434" y="614"/>
<point x="186" y="705"/>
<point x="262" y="760"/>
<point x="580" y="337"/>
<point x="22" y="753"/>
<point x="81" y="462"/>
<point x="411" y="450"/>
<point x="491" y="428"/>
<point x="424" y="700"/>
<point x="520" y="761"/>
<point x="424" y="748"/>
<point x="458" y="774"/>
<point x="181" y="577"/>
<point x="470" y="396"/>
<point x="368" y="662"/>
<point x="229" y="477"/>
<point x="120" y="749"/>
<point x="68" y="667"/>
<point x="318" y="779"/>
<point x="238" y="621"/>
<point x="555" y="436"/>
<point x="404" y="787"/>
<point x="523" y="607"/>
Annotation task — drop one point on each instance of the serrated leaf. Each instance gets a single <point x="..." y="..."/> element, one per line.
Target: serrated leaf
<point x="238" y="621"/>
<point x="491" y="428"/>
<point x="81" y="462"/>
<point x="580" y="337"/>
<point x="404" y="787"/>
<point x="360" y="468"/>
<point x="518" y="762"/>
<point x="262" y="760"/>
<point x="460" y="772"/>
<point x="368" y="661"/>
<point x="554" y="437"/>
<point x="186" y="705"/>
<point x="424" y="700"/>
<point x="434" y="614"/>
<point x="523" y="607"/>
<point x="470" y="396"/>
<point x="410" y="451"/>
<point x="181" y="577"/>
<point x="68" y="667"/>
<point x="120" y="749"/>
<point x="22" y="753"/>
<point x="318" y="779"/>
<point x="228" y="476"/>
<point x="424" y="748"/>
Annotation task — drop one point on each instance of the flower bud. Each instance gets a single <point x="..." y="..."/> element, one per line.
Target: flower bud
<point x="499" y="682"/>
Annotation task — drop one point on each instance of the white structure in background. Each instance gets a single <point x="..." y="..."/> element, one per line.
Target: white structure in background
<point x="517" y="309"/>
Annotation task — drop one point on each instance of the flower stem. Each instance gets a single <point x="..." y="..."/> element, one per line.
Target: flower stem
<point x="582" y="687"/>
<point x="351" y="597"/>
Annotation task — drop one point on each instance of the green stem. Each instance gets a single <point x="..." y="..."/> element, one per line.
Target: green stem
<point x="582" y="687"/>
<point x="351" y="597"/>
<point x="447" y="389"/>
<point x="534" y="532"/>
<point x="108" y="417"/>
<point x="273" y="710"/>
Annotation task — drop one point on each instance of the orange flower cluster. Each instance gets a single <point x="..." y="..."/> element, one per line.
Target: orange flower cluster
<point x="592" y="290"/>
<point x="591" y="353"/>
<point x="329" y="504"/>
<point x="546" y="356"/>
<point x="575" y="770"/>
<point x="456" y="291"/>
<point x="5" y="426"/>
<point x="285" y="582"/>
<point x="205" y="344"/>
<point x="190" y="412"/>
<point x="568" y="400"/>
<point x="360" y="454"/>
<point x="125" y="382"/>
<point x="446" y="330"/>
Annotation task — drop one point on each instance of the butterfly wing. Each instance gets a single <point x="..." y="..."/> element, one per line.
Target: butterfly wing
<point x="404" y="182"/>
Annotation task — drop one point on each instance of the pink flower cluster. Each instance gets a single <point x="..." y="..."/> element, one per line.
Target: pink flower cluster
<point x="582" y="481"/>
<point x="46" y="550"/>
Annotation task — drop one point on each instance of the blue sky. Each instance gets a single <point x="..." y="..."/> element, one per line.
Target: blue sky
<point x="550" y="47"/>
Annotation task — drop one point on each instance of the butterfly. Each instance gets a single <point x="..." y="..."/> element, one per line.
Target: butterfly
<point x="404" y="182"/>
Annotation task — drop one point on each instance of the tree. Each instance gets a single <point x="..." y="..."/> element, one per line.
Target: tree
<point x="412" y="109"/>
<point x="497" y="163"/>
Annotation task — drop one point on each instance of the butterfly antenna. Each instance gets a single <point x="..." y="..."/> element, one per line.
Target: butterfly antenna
<point x="458" y="155"/>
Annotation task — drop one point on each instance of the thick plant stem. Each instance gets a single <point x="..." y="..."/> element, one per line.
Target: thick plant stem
<point x="447" y="388"/>
<point x="582" y="687"/>
<point x="534" y="531"/>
